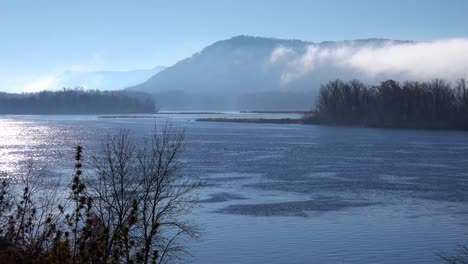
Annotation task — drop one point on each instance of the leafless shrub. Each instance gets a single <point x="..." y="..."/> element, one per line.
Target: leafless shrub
<point x="127" y="209"/>
<point x="139" y="196"/>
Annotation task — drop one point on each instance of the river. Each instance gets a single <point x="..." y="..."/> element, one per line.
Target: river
<point x="278" y="193"/>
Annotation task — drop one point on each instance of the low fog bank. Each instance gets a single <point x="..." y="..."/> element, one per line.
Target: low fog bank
<point x="422" y="61"/>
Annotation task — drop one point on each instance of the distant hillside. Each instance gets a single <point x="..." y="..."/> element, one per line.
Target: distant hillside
<point x="106" y="80"/>
<point x="229" y="71"/>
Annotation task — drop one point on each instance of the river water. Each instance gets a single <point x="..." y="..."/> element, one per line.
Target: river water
<point x="290" y="193"/>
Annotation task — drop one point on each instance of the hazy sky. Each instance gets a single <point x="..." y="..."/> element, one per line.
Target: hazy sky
<point x="40" y="39"/>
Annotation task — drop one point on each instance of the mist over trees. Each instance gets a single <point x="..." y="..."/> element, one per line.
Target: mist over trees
<point x="433" y="104"/>
<point x="77" y="101"/>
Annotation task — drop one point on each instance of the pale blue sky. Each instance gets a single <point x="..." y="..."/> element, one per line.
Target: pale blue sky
<point x="43" y="38"/>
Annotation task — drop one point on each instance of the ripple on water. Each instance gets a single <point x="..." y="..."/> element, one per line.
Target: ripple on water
<point x="294" y="208"/>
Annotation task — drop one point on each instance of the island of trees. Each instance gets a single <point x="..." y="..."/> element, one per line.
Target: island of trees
<point x="76" y="101"/>
<point x="436" y="104"/>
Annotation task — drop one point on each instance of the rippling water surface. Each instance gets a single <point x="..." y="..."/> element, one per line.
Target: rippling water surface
<point x="291" y="193"/>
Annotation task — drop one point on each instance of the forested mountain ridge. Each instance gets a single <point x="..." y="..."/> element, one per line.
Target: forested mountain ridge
<point x="229" y="73"/>
<point x="241" y="63"/>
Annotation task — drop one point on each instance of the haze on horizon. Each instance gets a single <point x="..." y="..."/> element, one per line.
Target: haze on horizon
<point x="43" y="40"/>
